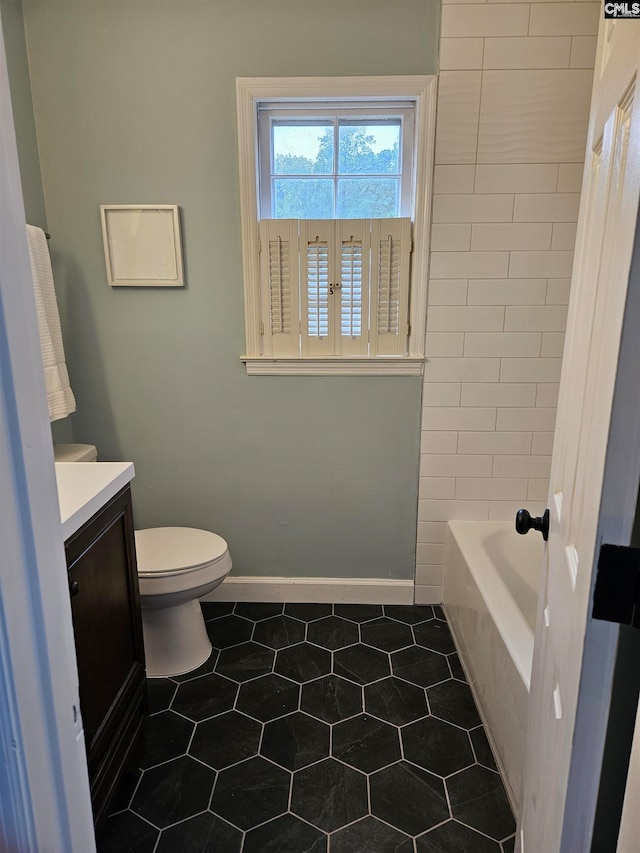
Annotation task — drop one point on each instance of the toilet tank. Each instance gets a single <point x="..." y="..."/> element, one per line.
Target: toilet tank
<point x="75" y="453"/>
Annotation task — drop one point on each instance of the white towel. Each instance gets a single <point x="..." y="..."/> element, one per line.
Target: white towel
<point x="60" y="397"/>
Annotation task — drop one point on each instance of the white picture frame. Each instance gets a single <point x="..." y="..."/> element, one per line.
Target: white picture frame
<point x="142" y="245"/>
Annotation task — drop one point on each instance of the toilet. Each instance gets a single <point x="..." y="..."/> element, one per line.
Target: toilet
<point x="176" y="567"/>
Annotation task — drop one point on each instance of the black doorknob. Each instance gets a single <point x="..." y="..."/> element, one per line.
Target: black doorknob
<point x="526" y="522"/>
<point x="74" y="587"/>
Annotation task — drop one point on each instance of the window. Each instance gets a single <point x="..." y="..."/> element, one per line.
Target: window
<point x="335" y="173"/>
<point x="335" y="162"/>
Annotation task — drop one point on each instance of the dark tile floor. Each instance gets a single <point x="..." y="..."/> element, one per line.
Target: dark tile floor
<point x="315" y="728"/>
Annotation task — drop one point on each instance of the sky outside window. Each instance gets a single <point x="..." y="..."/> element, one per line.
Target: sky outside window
<point x="304" y="150"/>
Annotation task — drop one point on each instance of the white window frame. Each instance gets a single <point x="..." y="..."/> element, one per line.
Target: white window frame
<point x="250" y="92"/>
<point x="269" y="114"/>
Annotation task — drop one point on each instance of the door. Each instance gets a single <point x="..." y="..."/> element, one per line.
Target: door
<point x="574" y="655"/>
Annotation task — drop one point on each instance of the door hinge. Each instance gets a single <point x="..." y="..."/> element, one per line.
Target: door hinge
<point x="408" y="329"/>
<point x="616" y="597"/>
<point x="259" y="246"/>
<point x="262" y="329"/>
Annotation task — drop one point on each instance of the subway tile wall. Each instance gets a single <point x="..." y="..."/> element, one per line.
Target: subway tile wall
<point x="513" y="107"/>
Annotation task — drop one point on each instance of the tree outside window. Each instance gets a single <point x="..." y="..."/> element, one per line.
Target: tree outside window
<point x="336" y="169"/>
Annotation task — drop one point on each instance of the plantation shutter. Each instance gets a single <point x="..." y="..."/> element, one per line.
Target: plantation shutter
<point x="352" y="239"/>
<point x="390" y="260"/>
<point x="317" y="286"/>
<point x="335" y="287"/>
<point x="279" y="286"/>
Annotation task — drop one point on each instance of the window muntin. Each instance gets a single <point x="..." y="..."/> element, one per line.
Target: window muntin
<point x="336" y="162"/>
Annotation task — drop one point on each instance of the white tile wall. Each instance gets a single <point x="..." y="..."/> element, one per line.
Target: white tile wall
<point x="571" y="19"/>
<point x="510" y="19"/>
<point x="547" y="394"/>
<point x="467" y="318"/>
<point x="444" y="344"/>
<point x="545" y="207"/>
<point x="513" y="104"/>
<point x="452" y="238"/>
<point x="472" y="208"/>
<point x="498" y="442"/>
<point x="558" y="290"/>
<point x="516" y="178"/>
<point x="431" y="531"/>
<point x="463" y="53"/>
<point x="526" y="291"/>
<point x="552" y="344"/>
<point x="442" y="394"/>
<point x="511" y="53"/>
<point x="533" y="116"/>
<point x="499" y="394"/>
<point x="487" y="237"/>
<point x="448" y="291"/>
<point x="530" y="369"/>
<point x="583" y="51"/>
<point x="548" y="318"/>
<point x="503" y="344"/>
<point x="542" y="443"/>
<point x="540" y="264"/>
<point x="457" y="127"/>
<point x="564" y="235"/>
<point x="461" y="369"/>
<point x="456" y="466"/>
<point x="569" y="177"/>
<point x="454" y="179"/>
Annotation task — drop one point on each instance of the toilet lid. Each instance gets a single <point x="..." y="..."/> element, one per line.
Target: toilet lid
<point x="168" y="550"/>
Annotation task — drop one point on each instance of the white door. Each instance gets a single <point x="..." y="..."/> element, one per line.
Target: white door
<point x="564" y="656"/>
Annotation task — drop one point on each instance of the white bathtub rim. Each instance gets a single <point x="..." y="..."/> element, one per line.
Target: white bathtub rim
<point x="504" y="612"/>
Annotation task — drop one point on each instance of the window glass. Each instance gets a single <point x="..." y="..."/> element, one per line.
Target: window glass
<point x="299" y="198"/>
<point x="371" y="148"/>
<point x="302" y="148"/>
<point x="335" y="164"/>
<point x="367" y="197"/>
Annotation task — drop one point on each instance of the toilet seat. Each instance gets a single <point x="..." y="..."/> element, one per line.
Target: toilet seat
<point x="164" y="552"/>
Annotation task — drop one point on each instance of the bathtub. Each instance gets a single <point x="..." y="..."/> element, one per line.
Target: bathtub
<point x="491" y="597"/>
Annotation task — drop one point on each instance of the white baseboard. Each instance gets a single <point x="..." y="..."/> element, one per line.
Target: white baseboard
<point x="334" y="590"/>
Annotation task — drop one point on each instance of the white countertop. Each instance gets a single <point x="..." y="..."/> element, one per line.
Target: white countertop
<point x="85" y="487"/>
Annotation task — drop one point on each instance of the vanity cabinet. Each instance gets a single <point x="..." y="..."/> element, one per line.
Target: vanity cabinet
<point x="107" y="624"/>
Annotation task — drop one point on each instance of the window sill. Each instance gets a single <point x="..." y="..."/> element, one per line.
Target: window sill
<point x="336" y="366"/>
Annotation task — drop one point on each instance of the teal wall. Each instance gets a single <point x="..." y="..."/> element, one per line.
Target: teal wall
<point x="23" y="119"/>
<point x="22" y="107"/>
<point x="135" y="102"/>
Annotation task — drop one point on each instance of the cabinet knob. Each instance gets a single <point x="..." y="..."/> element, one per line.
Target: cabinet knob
<point x="74" y="587"/>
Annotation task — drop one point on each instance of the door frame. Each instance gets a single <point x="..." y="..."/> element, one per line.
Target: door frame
<point x="44" y="790"/>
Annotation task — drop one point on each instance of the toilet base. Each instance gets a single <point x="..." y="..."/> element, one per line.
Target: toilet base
<point x="175" y="639"/>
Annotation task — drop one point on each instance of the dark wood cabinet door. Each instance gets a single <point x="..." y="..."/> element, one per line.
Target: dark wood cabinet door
<point x="105" y="604"/>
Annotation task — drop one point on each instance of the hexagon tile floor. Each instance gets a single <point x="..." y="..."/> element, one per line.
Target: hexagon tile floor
<point x="315" y="728"/>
